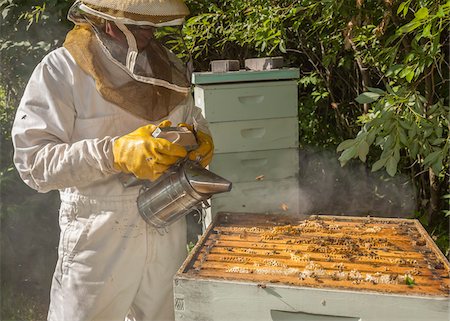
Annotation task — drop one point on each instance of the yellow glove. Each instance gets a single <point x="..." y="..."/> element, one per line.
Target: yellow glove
<point x="204" y="153"/>
<point x="145" y="156"/>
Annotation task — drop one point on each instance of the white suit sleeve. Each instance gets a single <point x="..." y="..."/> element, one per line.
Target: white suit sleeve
<point x="194" y="116"/>
<point x="44" y="156"/>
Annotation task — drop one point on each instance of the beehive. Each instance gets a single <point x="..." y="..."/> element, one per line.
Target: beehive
<point x="253" y="118"/>
<point x="274" y="267"/>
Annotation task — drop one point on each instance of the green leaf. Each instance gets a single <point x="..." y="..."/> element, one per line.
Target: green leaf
<point x="377" y="91"/>
<point x="432" y="157"/>
<point x="403" y="137"/>
<point x="347" y="155"/>
<point x="371" y="137"/>
<point x="433" y="109"/>
<point x="437" y="165"/>
<point x="405" y="124"/>
<point x="378" y="164"/>
<point x="428" y="131"/>
<point x="409" y="280"/>
<point x="439" y="131"/>
<point x="345" y="144"/>
<point x="397" y="154"/>
<point x="263" y="46"/>
<point x="392" y="38"/>
<point x="405" y="10"/>
<point x="412" y="132"/>
<point x="422" y="13"/>
<point x="394" y="70"/>
<point x="427" y="31"/>
<point x="282" y="46"/>
<point x="435" y="45"/>
<point x="414" y="149"/>
<point x="391" y="166"/>
<point x="405" y="71"/>
<point x="363" y="150"/>
<point x="390" y="90"/>
<point x="440" y="13"/>
<point x="409" y="27"/>
<point x="388" y="141"/>
<point x="438" y="141"/>
<point x="367" y="97"/>
<point x="409" y="76"/>
<point x="402" y="6"/>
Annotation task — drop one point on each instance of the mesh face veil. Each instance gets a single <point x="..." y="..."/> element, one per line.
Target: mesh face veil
<point x="129" y="53"/>
<point x="132" y="44"/>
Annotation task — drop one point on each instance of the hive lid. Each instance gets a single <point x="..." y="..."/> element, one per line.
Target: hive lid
<point x="206" y="78"/>
<point x="343" y="253"/>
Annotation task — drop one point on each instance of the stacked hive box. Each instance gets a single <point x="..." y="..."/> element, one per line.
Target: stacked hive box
<point x="253" y="117"/>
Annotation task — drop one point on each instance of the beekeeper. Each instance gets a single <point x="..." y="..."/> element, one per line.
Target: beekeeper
<point x="86" y="115"/>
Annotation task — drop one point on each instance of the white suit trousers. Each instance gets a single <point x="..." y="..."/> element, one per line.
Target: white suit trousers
<point x="111" y="260"/>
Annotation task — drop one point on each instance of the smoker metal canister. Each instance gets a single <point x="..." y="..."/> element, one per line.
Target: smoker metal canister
<point x="178" y="192"/>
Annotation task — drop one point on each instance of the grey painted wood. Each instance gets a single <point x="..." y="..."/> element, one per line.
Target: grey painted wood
<point x="263" y="100"/>
<point x="267" y="196"/>
<point x="253" y="135"/>
<point x="219" y="300"/>
<point x="253" y="118"/>
<point x="249" y="166"/>
<point x="199" y="78"/>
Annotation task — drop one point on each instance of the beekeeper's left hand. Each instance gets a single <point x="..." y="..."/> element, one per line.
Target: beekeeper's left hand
<point x="145" y="156"/>
<point x="204" y="152"/>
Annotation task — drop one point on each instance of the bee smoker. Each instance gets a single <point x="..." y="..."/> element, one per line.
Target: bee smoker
<point x="186" y="186"/>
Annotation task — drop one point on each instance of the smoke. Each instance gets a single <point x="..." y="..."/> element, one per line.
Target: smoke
<point x="328" y="188"/>
<point x="321" y="187"/>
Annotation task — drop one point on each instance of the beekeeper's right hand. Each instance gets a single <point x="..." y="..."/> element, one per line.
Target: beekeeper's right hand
<point x="144" y="156"/>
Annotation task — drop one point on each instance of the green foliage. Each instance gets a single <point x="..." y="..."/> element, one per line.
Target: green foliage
<point x="405" y="126"/>
<point x="29" y="234"/>
<point x="190" y="247"/>
<point x="29" y="30"/>
<point x="236" y="28"/>
<point x="410" y="121"/>
<point x="409" y="280"/>
<point x="398" y="125"/>
<point x="308" y="34"/>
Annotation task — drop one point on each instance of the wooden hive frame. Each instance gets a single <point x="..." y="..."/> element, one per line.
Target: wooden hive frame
<point x="358" y="253"/>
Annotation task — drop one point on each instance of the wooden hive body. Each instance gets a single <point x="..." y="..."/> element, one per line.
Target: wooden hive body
<point x="275" y="267"/>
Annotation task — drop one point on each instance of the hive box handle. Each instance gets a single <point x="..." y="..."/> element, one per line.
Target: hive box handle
<point x="253" y="132"/>
<point x="248" y="100"/>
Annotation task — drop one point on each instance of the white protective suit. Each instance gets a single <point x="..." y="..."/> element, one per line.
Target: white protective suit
<point x="111" y="263"/>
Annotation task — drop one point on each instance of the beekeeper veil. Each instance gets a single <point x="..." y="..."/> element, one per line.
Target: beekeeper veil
<point x="121" y="44"/>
